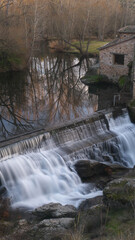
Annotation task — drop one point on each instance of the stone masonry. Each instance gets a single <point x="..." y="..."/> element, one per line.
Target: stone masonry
<point x="108" y="67"/>
<point x="115" y="56"/>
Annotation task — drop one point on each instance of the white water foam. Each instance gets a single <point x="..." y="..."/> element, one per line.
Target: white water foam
<point x="37" y="177"/>
<point x="42" y="177"/>
<point x="125" y="131"/>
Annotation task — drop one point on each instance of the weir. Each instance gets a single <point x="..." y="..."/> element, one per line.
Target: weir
<point x="35" y="170"/>
<point x="72" y="131"/>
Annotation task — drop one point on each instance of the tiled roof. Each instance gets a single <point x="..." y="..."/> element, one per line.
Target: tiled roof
<point x="116" y="41"/>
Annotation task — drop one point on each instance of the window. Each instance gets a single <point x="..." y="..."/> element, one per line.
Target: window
<point x="119" y="59"/>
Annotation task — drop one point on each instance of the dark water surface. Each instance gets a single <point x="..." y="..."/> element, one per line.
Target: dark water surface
<point x="49" y="94"/>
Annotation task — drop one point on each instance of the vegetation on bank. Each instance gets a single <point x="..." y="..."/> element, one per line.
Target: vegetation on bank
<point x="89" y="79"/>
<point x="119" y="226"/>
<point x="92" y="49"/>
<point x="10" y="61"/>
<point x="25" y="23"/>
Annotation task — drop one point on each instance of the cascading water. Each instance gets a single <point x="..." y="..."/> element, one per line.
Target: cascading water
<point x="36" y="171"/>
<point x="42" y="177"/>
<point x="125" y="141"/>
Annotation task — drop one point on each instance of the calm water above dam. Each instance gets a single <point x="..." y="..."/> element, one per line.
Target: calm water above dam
<point x="49" y="94"/>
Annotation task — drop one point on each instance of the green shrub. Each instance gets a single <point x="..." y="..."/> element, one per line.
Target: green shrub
<point x="93" y="78"/>
<point x="122" y="81"/>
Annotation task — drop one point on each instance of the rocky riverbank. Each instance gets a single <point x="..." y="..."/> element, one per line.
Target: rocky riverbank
<point x="102" y="217"/>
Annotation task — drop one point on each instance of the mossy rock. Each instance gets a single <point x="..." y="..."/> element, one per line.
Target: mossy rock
<point x="120" y="192"/>
<point x="91" y="79"/>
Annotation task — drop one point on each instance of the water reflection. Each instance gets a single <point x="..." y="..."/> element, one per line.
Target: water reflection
<point x="50" y="93"/>
<point x="12" y="95"/>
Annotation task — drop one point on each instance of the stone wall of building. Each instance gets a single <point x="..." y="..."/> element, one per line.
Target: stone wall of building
<point x="108" y="67"/>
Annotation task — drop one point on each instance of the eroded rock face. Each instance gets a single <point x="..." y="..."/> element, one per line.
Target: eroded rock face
<point x="120" y="192"/>
<point x="55" y="210"/>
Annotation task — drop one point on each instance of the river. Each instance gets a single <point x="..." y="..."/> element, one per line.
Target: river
<point x="50" y="93"/>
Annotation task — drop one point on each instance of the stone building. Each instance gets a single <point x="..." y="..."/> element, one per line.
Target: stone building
<point x="115" y="57"/>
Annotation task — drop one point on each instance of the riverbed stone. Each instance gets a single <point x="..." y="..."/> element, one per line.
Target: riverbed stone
<point x="88" y="203"/>
<point x="55" y="210"/>
<point x="87" y="169"/>
<point x="120" y="192"/>
<point x="56" y="224"/>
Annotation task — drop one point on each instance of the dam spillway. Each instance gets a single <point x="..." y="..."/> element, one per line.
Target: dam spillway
<point x="35" y="170"/>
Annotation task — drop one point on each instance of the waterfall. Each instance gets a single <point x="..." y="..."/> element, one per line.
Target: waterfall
<point x="36" y="171"/>
<point x="41" y="177"/>
<point x="25" y="146"/>
<point x="125" y="140"/>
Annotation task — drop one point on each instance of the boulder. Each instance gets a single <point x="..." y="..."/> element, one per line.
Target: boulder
<point x="56" y="224"/>
<point x="55" y="210"/>
<point x="88" y="203"/>
<point x="87" y="169"/>
<point x="120" y="192"/>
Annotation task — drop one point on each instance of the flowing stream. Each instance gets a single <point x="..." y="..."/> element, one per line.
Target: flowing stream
<point x="38" y="170"/>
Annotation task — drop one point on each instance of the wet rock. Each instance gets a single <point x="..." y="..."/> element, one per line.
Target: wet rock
<point x="87" y="169"/>
<point x="88" y="203"/>
<point x="55" y="210"/>
<point x="120" y="192"/>
<point x="2" y="191"/>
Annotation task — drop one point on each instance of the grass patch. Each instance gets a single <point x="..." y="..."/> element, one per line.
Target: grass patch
<point x="120" y="222"/>
<point x="93" y="47"/>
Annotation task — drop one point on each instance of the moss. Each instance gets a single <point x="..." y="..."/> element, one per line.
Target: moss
<point x="92" y="79"/>
<point x="122" y="192"/>
<point x="122" y="81"/>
